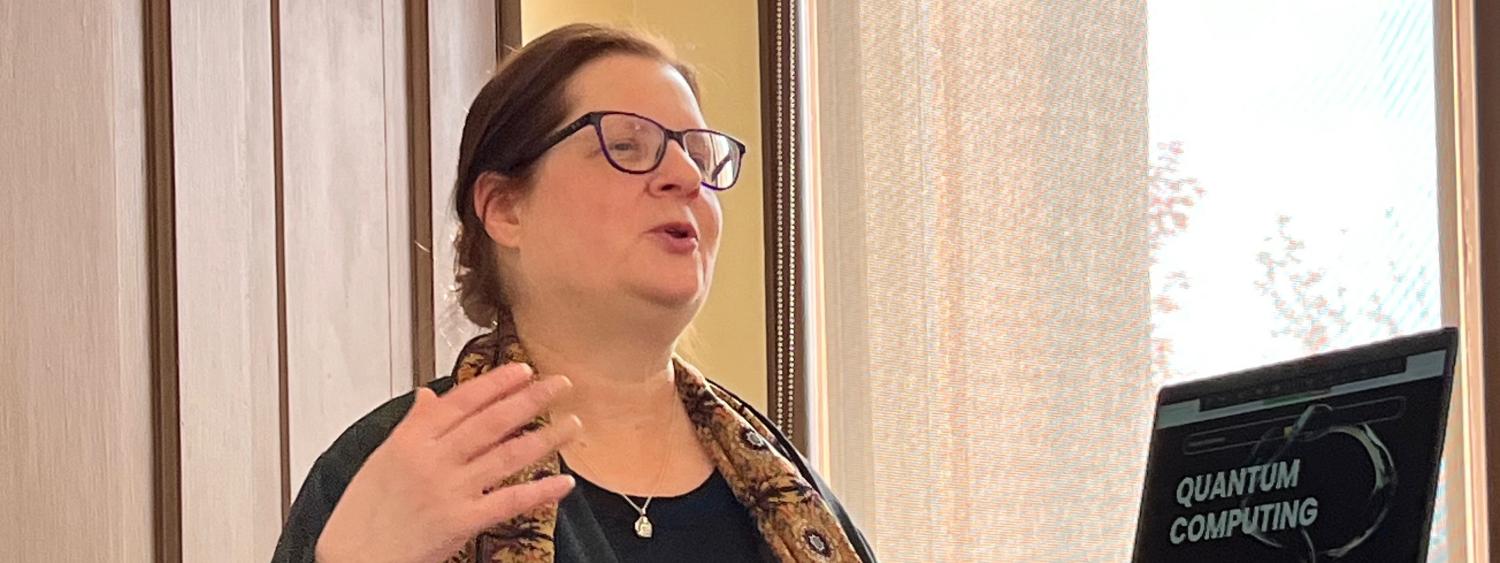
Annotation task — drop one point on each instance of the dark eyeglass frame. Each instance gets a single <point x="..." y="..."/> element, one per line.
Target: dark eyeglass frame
<point x="595" y="118"/>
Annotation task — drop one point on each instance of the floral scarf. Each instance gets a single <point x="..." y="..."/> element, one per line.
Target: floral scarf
<point x="793" y="519"/>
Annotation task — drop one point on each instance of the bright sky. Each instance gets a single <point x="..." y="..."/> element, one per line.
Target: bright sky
<point x="1321" y="111"/>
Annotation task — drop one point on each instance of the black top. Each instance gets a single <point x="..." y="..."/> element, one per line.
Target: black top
<point x="580" y="535"/>
<point x="706" y="524"/>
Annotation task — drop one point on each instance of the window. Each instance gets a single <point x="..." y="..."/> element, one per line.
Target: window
<point x="1033" y="215"/>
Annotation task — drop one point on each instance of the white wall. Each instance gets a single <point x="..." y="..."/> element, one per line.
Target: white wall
<point x="75" y="433"/>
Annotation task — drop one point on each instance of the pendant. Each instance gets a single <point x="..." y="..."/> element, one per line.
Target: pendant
<point x="643" y="527"/>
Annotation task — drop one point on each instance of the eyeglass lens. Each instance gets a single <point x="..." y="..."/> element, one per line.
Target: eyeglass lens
<point x="636" y="145"/>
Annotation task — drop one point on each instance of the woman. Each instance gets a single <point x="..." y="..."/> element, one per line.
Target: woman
<point x="587" y="193"/>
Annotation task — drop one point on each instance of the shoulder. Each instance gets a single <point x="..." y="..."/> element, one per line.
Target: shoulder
<point x="366" y="434"/>
<point x="332" y="472"/>
<point x="361" y="438"/>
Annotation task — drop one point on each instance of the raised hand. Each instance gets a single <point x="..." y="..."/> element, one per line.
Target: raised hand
<point x="427" y="489"/>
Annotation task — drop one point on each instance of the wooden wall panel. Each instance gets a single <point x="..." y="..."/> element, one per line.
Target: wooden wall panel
<point x="285" y="131"/>
<point x="226" y="280"/>
<point x="343" y="342"/>
<point x="462" y="38"/>
<point x="75" y="421"/>
<point x="397" y="188"/>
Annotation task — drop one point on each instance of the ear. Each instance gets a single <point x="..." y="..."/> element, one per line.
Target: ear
<point x="499" y="204"/>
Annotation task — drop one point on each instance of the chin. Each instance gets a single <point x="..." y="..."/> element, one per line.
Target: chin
<point x="672" y="284"/>
<point x="678" y="298"/>
<point x="686" y="295"/>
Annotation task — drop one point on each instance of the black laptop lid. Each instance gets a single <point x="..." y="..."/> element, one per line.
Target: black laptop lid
<point x="1328" y="458"/>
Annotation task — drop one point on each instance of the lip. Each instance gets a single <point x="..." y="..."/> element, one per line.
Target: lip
<point x="676" y="237"/>
<point x="676" y="227"/>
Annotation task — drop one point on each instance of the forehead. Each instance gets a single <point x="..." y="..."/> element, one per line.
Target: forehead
<point x="634" y="84"/>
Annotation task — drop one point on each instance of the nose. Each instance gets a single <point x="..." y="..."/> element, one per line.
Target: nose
<point x="677" y="174"/>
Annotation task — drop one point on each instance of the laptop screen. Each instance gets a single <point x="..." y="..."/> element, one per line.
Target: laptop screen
<point x="1329" y="458"/>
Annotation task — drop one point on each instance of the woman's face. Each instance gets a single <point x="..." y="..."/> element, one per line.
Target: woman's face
<point x="599" y="235"/>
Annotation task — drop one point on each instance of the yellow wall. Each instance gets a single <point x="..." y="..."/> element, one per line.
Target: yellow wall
<point x="721" y="40"/>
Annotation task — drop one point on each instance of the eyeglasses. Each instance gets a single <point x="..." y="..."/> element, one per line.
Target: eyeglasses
<point x="635" y="144"/>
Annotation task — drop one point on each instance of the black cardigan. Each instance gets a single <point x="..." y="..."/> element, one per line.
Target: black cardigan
<point x="333" y="470"/>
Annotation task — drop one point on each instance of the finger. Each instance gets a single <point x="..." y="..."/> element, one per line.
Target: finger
<point x="515" y="454"/>
<point x="487" y="427"/>
<point x="474" y="395"/>
<point x="505" y="503"/>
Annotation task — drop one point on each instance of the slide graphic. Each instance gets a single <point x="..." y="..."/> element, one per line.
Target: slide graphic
<point x="1337" y="473"/>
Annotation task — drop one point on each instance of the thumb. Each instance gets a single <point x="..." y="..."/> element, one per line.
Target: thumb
<point x="423" y="400"/>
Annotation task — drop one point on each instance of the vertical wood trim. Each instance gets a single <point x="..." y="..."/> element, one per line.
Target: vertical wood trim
<point x="1486" y="30"/>
<point x="1445" y="60"/>
<point x="781" y="89"/>
<point x="419" y="147"/>
<point x="1445" y="56"/>
<point x="161" y="234"/>
<point x="1458" y="220"/>
<point x="284" y="405"/>
<point x="507" y="27"/>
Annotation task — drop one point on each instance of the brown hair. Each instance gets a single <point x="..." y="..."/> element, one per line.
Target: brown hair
<point x="520" y="105"/>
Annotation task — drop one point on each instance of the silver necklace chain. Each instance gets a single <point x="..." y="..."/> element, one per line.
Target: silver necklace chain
<point x="643" y="526"/>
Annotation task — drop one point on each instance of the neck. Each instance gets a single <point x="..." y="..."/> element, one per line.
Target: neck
<point x="621" y="370"/>
<point x="624" y="391"/>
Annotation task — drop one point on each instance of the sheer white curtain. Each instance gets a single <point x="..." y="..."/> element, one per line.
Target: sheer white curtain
<point x="987" y="289"/>
<point x="1017" y="249"/>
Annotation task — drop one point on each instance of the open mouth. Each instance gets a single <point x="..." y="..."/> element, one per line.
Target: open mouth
<point x="678" y="231"/>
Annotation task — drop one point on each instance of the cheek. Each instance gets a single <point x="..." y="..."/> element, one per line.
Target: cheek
<point x="711" y="219"/>
<point x="569" y="230"/>
<point x="591" y="227"/>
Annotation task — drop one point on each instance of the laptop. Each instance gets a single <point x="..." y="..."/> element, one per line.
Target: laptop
<point x="1328" y="458"/>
